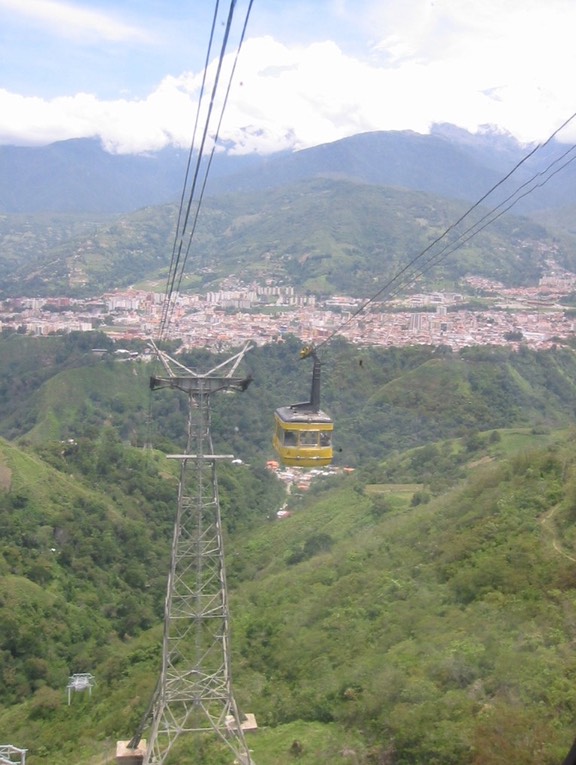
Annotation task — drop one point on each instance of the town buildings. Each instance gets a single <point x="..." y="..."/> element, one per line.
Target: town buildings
<point x="262" y="314"/>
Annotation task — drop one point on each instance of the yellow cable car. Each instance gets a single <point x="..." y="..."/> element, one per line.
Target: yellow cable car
<point x="303" y="432"/>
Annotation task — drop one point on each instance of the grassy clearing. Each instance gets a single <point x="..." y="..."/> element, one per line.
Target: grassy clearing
<point x="402" y="489"/>
<point x="305" y="743"/>
<point x="519" y="439"/>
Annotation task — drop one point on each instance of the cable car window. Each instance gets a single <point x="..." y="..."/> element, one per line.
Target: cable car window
<point x="325" y="439"/>
<point x="290" y="438"/>
<point x="309" y="438"/>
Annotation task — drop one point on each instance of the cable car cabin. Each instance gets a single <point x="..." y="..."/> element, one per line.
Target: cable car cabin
<point x="303" y="438"/>
<point x="303" y="432"/>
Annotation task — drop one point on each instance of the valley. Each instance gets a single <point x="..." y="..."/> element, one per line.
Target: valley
<point x="416" y="602"/>
<point x="445" y="557"/>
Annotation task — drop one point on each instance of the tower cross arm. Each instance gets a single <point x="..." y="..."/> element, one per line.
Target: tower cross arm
<point x="198" y="385"/>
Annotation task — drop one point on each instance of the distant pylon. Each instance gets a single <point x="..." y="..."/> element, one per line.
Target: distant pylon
<point x="7" y="752"/>
<point x="194" y="694"/>
<point x="80" y="682"/>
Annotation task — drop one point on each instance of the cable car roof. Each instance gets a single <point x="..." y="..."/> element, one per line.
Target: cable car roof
<point x="294" y="414"/>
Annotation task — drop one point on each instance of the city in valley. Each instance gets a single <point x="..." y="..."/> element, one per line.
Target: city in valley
<point x="484" y="312"/>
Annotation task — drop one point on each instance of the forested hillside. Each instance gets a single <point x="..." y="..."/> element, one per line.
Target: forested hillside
<point x="420" y="609"/>
<point x="383" y="400"/>
<point x="441" y="630"/>
<point x="322" y="236"/>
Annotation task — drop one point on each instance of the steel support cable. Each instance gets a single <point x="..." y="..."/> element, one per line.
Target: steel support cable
<point x="476" y="229"/>
<point x="180" y="264"/>
<point x="410" y="265"/>
<point x="168" y="305"/>
<point x="511" y="197"/>
<point x="500" y="209"/>
<point x="211" y="156"/>
<point x="409" y="276"/>
<point x="216" y="137"/>
<point x="172" y="269"/>
<point x="179" y="238"/>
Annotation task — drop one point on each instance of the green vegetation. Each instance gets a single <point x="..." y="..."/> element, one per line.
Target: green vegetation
<point x="37" y="248"/>
<point x="383" y="400"/>
<point x="428" y="626"/>
<point x="320" y="235"/>
<point x="419" y="609"/>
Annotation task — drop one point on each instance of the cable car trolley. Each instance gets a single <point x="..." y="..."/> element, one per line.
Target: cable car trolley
<point x="303" y="432"/>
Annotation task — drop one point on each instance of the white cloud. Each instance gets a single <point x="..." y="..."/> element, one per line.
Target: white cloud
<point x="123" y="126"/>
<point x="318" y="94"/>
<point x="443" y="63"/>
<point x="70" y="20"/>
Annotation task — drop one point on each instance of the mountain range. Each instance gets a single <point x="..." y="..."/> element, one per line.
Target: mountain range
<point x="319" y="235"/>
<point x="79" y="176"/>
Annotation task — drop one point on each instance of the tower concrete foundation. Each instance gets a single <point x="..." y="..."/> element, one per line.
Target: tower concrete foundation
<point x="126" y="756"/>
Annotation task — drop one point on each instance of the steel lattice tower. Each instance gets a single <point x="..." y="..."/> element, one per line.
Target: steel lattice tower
<point x="194" y="694"/>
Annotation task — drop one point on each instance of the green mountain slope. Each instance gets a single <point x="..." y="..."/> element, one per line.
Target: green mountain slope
<point x="321" y="235"/>
<point x="408" y="632"/>
<point x="67" y="591"/>
<point x="382" y="400"/>
<point x="441" y="631"/>
<point x="419" y="610"/>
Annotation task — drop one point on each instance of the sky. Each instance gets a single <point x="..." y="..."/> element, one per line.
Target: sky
<point x="130" y="72"/>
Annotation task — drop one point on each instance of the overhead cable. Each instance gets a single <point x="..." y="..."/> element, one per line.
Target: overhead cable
<point x="410" y="271"/>
<point x="182" y="248"/>
<point x="179" y="232"/>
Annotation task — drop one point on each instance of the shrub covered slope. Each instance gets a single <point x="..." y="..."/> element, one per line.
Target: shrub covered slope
<point x="419" y="610"/>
